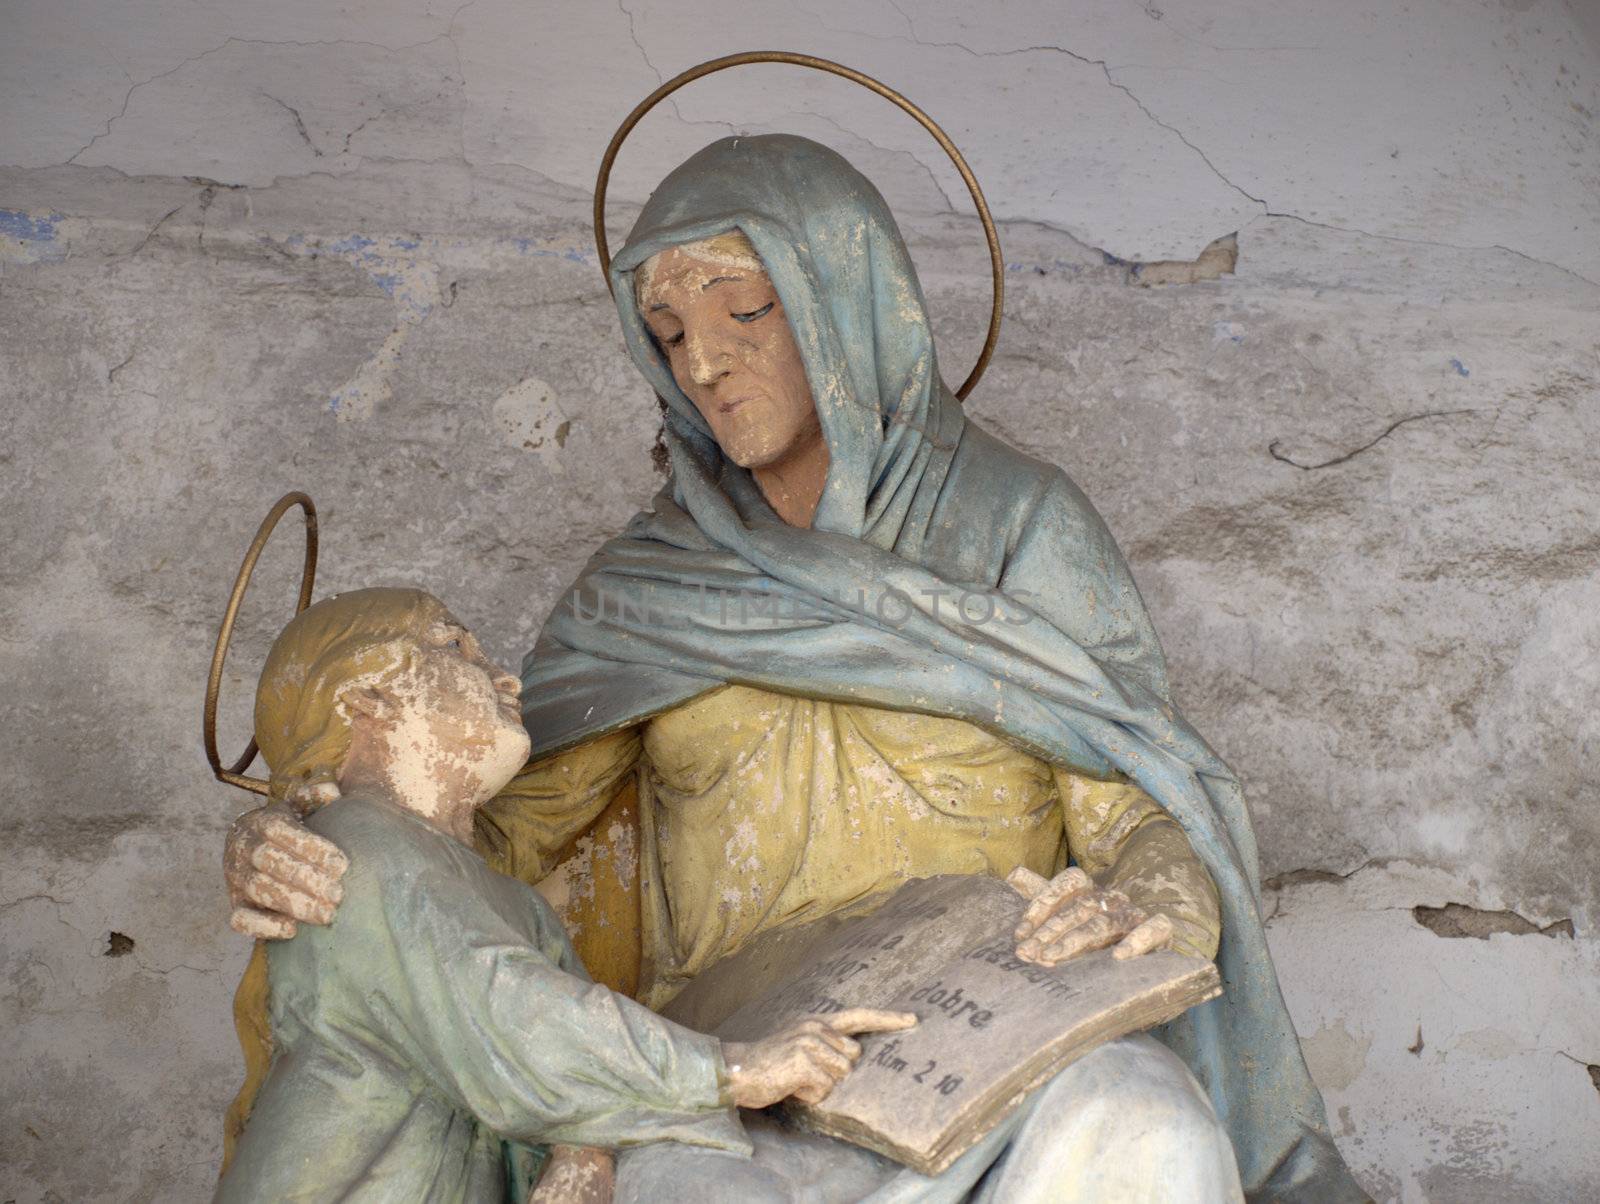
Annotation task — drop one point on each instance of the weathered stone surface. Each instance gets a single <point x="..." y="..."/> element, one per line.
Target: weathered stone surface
<point x="1354" y="477"/>
<point x="1470" y="1079"/>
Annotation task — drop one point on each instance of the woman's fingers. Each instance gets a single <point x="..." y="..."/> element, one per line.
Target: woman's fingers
<point x="1089" y="922"/>
<point x="263" y="925"/>
<point x="1154" y="933"/>
<point x="1078" y="911"/>
<point x="276" y="862"/>
<point x="1087" y="937"/>
<point x="279" y="872"/>
<point x="1066" y="885"/>
<point x="303" y="844"/>
<point x="1026" y="883"/>
<point x="269" y="894"/>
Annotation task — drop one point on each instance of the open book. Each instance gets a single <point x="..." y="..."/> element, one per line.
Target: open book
<point x="990" y="1027"/>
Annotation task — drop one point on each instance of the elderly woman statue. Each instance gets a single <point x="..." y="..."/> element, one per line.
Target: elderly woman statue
<point x="858" y="640"/>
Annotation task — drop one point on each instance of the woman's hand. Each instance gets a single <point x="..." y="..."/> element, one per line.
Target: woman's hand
<point x="279" y="872"/>
<point x="576" y="1174"/>
<point x="806" y="1059"/>
<point x="1069" y="916"/>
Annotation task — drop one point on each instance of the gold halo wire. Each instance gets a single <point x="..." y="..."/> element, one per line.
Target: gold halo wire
<point x="997" y="263"/>
<point x="235" y="775"/>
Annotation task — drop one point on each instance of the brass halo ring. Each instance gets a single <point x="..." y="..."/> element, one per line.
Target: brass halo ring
<point x="997" y="262"/>
<point x="235" y="775"/>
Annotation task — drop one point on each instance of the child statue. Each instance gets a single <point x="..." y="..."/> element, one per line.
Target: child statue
<point x="441" y="1026"/>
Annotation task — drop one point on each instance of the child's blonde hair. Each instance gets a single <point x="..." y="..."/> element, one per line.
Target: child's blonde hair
<point x="364" y="637"/>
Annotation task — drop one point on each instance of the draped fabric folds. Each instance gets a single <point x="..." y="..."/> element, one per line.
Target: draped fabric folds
<point x="944" y="573"/>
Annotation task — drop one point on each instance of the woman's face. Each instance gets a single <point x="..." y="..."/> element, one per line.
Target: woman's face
<point x="723" y="331"/>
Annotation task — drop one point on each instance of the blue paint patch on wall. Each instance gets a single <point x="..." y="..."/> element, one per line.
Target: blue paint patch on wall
<point x="24" y="227"/>
<point x="526" y="246"/>
<point x="37" y="238"/>
<point x="1461" y="369"/>
<point x="353" y="245"/>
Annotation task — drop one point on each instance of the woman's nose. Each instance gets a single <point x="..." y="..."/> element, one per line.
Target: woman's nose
<point x="708" y="361"/>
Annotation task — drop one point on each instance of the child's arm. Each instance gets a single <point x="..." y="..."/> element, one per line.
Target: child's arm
<point x="533" y="1051"/>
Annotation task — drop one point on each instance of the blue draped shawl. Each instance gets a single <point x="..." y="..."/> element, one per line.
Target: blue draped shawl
<point x="944" y="573"/>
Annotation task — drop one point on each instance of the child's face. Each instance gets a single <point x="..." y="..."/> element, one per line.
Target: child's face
<point x="458" y="723"/>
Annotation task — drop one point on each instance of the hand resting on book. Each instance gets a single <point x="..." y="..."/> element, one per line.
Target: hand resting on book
<point x="805" y="1059"/>
<point x="1069" y="916"/>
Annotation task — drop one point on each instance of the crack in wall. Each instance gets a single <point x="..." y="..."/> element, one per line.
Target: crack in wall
<point x="1109" y="72"/>
<point x="233" y="41"/>
<point x="461" y="73"/>
<point x="299" y="123"/>
<point x="1278" y="882"/>
<point x="36" y="897"/>
<point x="912" y="37"/>
<point x="1046" y="48"/>
<point x="1594" y="1070"/>
<point x="670" y="102"/>
<point x="143" y="242"/>
<point x="1273" y="448"/>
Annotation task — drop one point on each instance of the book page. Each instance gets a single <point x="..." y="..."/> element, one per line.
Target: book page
<point x="858" y="961"/>
<point x="990" y="1027"/>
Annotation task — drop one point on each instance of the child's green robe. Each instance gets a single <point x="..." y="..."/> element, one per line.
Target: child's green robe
<point x="441" y="1015"/>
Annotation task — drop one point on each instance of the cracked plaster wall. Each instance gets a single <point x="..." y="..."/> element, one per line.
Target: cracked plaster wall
<point x="250" y="247"/>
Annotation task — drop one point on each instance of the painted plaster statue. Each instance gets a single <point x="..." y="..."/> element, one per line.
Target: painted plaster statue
<point x="443" y="1024"/>
<point x="857" y="640"/>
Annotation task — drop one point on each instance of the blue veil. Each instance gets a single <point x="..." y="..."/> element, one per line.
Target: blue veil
<point x="944" y="573"/>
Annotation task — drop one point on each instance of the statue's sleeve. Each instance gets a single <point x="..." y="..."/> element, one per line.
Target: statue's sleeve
<point x="535" y="1052"/>
<point x="522" y="831"/>
<point x="1123" y="838"/>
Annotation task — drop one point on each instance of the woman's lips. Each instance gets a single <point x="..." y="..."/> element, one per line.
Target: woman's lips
<point x="732" y="404"/>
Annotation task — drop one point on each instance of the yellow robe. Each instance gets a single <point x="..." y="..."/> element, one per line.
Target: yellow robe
<point x="758" y="809"/>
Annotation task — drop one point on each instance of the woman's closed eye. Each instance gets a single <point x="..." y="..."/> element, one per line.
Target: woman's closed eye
<point x="753" y="314"/>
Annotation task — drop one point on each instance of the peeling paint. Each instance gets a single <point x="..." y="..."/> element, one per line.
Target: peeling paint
<point x="529" y="417"/>
<point x="406" y="277"/>
<point x="1217" y="260"/>
<point x="1459" y="920"/>
<point x="1336" y="1056"/>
